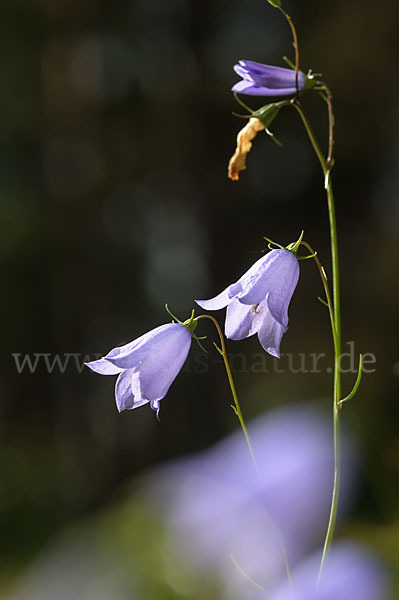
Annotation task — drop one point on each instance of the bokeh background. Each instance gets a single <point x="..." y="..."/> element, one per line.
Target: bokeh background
<point x="116" y="128"/>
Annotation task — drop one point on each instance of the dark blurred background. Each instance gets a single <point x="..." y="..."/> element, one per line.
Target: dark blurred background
<point x="116" y="128"/>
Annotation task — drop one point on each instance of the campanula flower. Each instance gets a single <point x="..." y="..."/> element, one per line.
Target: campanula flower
<point x="266" y="80"/>
<point x="147" y="366"/>
<point x="216" y="504"/>
<point x="258" y="302"/>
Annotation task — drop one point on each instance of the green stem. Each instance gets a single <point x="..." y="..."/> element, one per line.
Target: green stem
<point x="295" y="43"/>
<point x="237" y="408"/>
<point x="326" y="166"/>
<point x="337" y="379"/>
<point x="326" y="290"/>
<point x="296" y="104"/>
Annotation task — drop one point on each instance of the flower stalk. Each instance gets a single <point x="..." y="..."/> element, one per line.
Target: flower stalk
<point x="294" y="42"/>
<point x="334" y="305"/>
<point x="335" y="313"/>
<point x="236" y="407"/>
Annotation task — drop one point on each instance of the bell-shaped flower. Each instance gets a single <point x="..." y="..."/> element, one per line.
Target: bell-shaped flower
<point x="258" y="302"/>
<point x="147" y="366"/>
<point x="265" y="80"/>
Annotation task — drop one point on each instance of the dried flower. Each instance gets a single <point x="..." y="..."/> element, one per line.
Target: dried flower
<point x="244" y="145"/>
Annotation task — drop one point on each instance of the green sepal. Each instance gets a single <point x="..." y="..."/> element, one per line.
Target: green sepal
<point x="295" y="245"/>
<point x="289" y="62"/>
<point x="266" y="114"/>
<point x="273" y="243"/>
<point x="191" y="323"/>
<point x="311" y="81"/>
<point x="275" y="3"/>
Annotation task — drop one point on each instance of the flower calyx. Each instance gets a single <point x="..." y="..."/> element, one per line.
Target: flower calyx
<point x="190" y="324"/>
<point x="266" y="114"/>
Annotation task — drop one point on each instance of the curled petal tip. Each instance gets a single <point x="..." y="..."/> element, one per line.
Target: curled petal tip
<point x="219" y="301"/>
<point x="273" y="352"/>
<point x="103" y="367"/>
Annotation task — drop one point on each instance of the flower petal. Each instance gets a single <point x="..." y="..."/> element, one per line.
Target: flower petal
<point x="219" y="301"/>
<point x="133" y="354"/>
<point x="249" y="88"/>
<point x="264" y="276"/>
<point x="160" y="368"/>
<point x="103" y="366"/>
<point x="242" y="320"/>
<point x="127" y="391"/>
<point x="269" y="75"/>
<point x="270" y="334"/>
<point x="281" y="293"/>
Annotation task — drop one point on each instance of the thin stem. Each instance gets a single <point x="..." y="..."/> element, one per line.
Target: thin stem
<point x="296" y="46"/>
<point x="331" y="124"/>
<point x="241" y="103"/>
<point x="326" y="290"/>
<point x="312" y="137"/>
<point x="326" y="165"/>
<point x="237" y="408"/>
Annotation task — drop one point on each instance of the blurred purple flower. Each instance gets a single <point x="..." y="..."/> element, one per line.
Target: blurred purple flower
<point x="266" y="80"/>
<point x="147" y="366"/>
<point x="258" y="302"/>
<point x="217" y="505"/>
<point x="351" y="573"/>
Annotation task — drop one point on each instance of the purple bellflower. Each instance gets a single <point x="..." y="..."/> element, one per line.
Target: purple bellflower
<point x="258" y="301"/>
<point x="266" y="80"/>
<point x="216" y="505"/>
<point x="147" y="366"/>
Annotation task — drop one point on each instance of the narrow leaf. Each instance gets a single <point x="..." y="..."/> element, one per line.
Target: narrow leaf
<point x="322" y="301"/>
<point x="357" y="383"/>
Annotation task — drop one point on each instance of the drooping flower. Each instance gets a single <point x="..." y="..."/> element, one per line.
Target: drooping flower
<point x="147" y="366"/>
<point x="258" y="302"/>
<point x="266" y="80"/>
